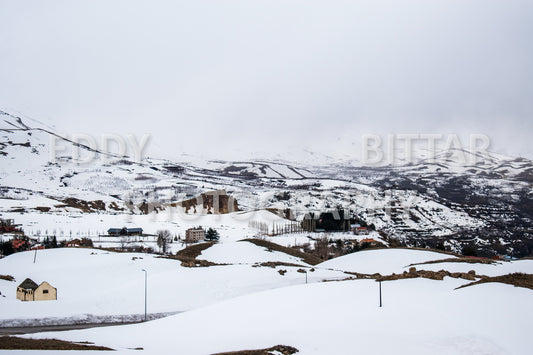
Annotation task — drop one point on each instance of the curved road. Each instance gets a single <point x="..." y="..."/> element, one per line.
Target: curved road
<point x="55" y="328"/>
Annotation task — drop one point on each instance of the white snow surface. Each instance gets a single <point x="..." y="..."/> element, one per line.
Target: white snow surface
<point x="496" y="269"/>
<point x="383" y="261"/>
<point x="418" y="316"/>
<point x="244" y="252"/>
<point x="98" y="282"/>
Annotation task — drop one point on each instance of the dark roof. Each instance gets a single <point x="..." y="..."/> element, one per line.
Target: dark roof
<point x="28" y="284"/>
<point x="127" y="230"/>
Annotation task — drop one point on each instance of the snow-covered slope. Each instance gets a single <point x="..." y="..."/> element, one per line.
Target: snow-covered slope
<point x="389" y="261"/>
<point x="101" y="283"/>
<point x="244" y="252"/>
<point x="419" y="316"/>
<point x="385" y="262"/>
<point x="450" y="199"/>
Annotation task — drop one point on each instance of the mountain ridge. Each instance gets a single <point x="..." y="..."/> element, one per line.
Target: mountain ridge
<point x="441" y="201"/>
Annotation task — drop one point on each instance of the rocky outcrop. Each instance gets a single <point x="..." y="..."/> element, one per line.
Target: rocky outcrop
<point x="214" y="202"/>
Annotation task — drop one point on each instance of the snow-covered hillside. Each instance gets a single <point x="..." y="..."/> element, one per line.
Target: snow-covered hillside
<point x="100" y="283"/>
<point x="419" y="316"/>
<point x="389" y="261"/>
<point x="450" y="200"/>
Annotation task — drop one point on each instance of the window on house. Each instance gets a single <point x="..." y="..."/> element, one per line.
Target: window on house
<point x="45" y="291"/>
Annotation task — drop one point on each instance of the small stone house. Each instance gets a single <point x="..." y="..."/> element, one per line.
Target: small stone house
<point x="28" y="290"/>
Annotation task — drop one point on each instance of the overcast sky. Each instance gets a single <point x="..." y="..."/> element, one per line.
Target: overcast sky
<point x="225" y="78"/>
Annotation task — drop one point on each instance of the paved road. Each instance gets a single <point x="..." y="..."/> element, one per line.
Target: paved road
<point x="54" y="328"/>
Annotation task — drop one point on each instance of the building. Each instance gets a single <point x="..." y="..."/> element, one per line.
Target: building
<point x="73" y="243"/>
<point x="193" y="235"/>
<point x="20" y="244"/>
<point x="9" y="226"/>
<point x="119" y="232"/>
<point x="360" y="231"/>
<point x="28" y="290"/>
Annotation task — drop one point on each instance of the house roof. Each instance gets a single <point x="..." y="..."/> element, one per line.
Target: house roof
<point x="28" y="284"/>
<point x="127" y="230"/>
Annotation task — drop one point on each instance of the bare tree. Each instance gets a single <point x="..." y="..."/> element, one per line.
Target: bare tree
<point x="322" y="248"/>
<point x="123" y="242"/>
<point x="164" y="237"/>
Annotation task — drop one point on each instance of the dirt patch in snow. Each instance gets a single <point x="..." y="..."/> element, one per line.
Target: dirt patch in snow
<point x="516" y="279"/>
<point x="413" y="274"/>
<point x="433" y="275"/>
<point x="188" y="255"/>
<point x="458" y="260"/>
<point x="7" y="277"/>
<point x="193" y="251"/>
<point x="275" y="350"/>
<point x="84" y="206"/>
<point x="42" y="209"/>
<point x="305" y="257"/>
<point x="16" y="343"/>
<point x="274" y="264"/>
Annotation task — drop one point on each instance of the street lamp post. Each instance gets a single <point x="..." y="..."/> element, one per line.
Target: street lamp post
<point x="145" y="291"/>
<point x="380" y="303"/>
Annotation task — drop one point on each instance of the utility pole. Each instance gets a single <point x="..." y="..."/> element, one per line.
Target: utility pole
<point x="380" y="303"/>
<point x="145" y="292"/>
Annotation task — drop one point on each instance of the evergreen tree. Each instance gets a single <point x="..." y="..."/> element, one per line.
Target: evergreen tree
<point x="6" y="248"/>
<point x="212" y="234"/>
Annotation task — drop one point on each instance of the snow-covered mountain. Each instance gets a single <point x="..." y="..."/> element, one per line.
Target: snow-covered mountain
<point x="448" y="198"/>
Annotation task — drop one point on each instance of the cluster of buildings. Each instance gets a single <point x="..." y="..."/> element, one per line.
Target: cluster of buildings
<point x="9" y="226"/>
<point x="358" y="230"/>
<point x="192" y="235"/>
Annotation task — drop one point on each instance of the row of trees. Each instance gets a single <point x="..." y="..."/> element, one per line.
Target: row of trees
<point x="6" y="248"/>
<point x="276" y="228"/>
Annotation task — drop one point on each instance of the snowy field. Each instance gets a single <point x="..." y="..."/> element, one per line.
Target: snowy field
<point x="245" y="253"/>
<point x="293" y="239"/>
<point x="419" y="316"/>
<point x="240" y="306"/>
<point x="102" y="283"/>
<point x="71" y="225"/>
<point x="389" y="260"/>
<point x="68" y="226"/>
